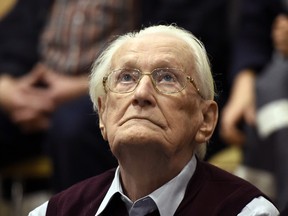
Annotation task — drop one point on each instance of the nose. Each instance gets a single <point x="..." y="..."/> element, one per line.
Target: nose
<point x="144" y="92"/>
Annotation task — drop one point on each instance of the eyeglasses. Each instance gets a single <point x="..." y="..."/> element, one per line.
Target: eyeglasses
<point x="165" y="80"/>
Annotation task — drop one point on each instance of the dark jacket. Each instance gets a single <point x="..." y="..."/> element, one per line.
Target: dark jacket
<point x="19" y="35"/>
<point x="253" y="46"/>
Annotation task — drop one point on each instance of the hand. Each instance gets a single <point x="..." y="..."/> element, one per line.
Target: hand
<point x="240" y="107"/>
<point x="26" y="105"/>
<point x="62" y="88"/>
<point x="280" y="34"/>
<point x="31" y="99"/>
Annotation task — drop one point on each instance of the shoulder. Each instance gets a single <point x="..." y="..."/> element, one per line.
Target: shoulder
<point x="216" y="173"/>
<point x="82" y="196"/>
<point x="226" y="191"/>
<point x="219" y="177"/>
<point x="91" y="184"/>
<point x="223" y="192"/>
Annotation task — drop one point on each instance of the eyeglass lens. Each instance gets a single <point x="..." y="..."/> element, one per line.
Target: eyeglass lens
<point x="166" y="80"/>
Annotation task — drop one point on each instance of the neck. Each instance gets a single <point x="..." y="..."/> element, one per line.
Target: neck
<point x="141" y="174"/>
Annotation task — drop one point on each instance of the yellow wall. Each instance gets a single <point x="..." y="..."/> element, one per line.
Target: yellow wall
<point x="6" y="6"/>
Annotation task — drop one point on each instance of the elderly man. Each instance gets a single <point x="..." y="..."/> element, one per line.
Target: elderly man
<point x="154" y="94"/>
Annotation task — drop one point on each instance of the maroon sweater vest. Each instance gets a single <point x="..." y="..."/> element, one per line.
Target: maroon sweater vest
<point x="210" y="192"/>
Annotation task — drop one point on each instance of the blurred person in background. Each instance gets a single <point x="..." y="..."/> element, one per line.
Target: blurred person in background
<point x="46" y="51"/>
<point x="212" y="22"/>
<point x="255" y="115"/>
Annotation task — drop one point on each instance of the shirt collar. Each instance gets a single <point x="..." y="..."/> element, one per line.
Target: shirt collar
<point x="167" y="198"/>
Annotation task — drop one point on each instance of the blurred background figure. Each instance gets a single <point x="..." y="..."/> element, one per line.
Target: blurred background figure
<point x="212" y="22"/>
<point x="256" y="113"/>
<point x="46" y="51"/>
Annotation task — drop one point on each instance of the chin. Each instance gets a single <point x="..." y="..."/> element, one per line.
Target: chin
<point x="135" y="138"/>
<point x="141" y="147"/>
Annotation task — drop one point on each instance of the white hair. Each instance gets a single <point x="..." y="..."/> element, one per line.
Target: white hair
<point x="205" y="82"/>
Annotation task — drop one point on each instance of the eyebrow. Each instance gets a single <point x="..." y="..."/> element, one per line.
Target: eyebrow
<point x="156" y="64"/>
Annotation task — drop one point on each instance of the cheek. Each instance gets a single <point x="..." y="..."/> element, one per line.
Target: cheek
<point x="184" y="119"/>
<point x="115" y="109"/>
<point x="111" y="114"/>
<point x="183" y="113"/>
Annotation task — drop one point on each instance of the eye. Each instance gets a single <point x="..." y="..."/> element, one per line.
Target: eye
<point x="164" y="75"/>
<point x="167" y="77"/>
<point x="126" y="76"/>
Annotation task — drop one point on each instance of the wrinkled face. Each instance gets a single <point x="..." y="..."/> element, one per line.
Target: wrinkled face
<point x="146" y="119"/>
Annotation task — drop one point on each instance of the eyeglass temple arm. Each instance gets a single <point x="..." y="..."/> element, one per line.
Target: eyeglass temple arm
<point x="191" y="80"/>
<point x="104" y="84"/>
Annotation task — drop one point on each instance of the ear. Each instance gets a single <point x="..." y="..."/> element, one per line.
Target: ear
<point x="101" y="110"/>
<point x="209" y="121"/>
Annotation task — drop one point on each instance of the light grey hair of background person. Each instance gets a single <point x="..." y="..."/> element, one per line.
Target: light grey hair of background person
<point x="203" y="77"/>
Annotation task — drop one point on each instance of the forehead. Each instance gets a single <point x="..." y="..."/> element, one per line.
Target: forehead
<point x="155" y="50"/>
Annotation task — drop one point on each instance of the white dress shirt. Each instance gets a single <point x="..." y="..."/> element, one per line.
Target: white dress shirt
<point x="168" y="197"/>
